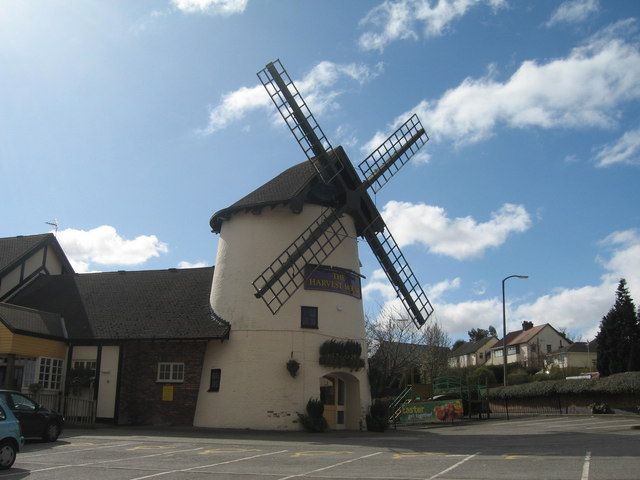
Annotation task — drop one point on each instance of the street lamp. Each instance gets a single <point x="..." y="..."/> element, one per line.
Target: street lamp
<point x="504" y="329"/>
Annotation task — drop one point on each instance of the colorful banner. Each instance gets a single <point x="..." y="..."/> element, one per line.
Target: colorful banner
<point x="436" y="411"/>
<point x="329" y="279"/>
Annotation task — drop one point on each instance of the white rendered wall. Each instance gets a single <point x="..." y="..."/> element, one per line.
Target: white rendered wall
<point x="256" y="390"/>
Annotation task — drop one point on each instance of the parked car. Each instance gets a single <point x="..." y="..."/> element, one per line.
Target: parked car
<point x="36" y="421"/>
<point x="11" y="439"/>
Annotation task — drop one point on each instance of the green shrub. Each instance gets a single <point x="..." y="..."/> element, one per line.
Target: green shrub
<point x="482" y="376"/>
<point x="337" y="354"/>
<point x="378" y="416"/>
<point x="313" y="420"/>
<point x="517" y="378"/>
<point x="621" y="383"/>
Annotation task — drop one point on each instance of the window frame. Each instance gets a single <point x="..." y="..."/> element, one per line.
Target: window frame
<point x="50" y="373"/>
<point x="305" y="316"/>
<point x="215" y="376"/>
<point x="175" y="372"/>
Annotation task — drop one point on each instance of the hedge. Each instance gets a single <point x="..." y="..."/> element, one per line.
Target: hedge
<point x="621" y="383"/>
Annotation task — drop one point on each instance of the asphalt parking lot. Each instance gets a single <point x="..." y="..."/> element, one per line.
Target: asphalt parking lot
<point x="566" y="447"/>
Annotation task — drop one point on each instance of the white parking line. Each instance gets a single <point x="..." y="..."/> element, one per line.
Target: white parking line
<point x="453" y="466"/>
<point x="328" y="467"/>
<point x="101" y="462"/>
<point x="207" y="466"/>
<point x="585" y="466"/>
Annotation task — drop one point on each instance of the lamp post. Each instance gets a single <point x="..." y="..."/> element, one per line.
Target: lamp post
<point x="504" y="328"/>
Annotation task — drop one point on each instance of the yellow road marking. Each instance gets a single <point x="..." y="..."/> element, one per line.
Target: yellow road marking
<point x="310" y="453"/>
<point x="416" y="454"/>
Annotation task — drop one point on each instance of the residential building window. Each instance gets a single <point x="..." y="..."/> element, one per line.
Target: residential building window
<point x="513" y="350"/>
<point x="214" y="380"/>
<point x="309" y="317"/>
<point x="499" y="353"/>
<point x="170" y="372"/>
<point x="548" y="348"/>
<point x="50" y="373"/>
<point x="86" y="364"/>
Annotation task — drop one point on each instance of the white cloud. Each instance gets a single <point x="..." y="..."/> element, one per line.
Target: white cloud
<point x="103" y="245"/>
<point x="399" y="20"/>
<point x="460" y="238"/>
<point x="577" y="310"/>
<point x="185" y="264"/>
<point x="214" y="7"/>
<point x="625" y="150"/>
<point x="573" y="11"/>
<point x="585" y="89"/>
<point x="318" y="88"/>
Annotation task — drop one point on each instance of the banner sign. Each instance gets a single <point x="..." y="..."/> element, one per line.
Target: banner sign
<point x="431" y="412"/>
<point x="330" y="279"/>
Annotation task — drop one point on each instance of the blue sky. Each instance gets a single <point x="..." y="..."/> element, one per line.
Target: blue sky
<point x="131" y="123"/>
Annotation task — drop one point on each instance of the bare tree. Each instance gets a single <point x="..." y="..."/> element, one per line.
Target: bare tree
<point x="436" y="354"/>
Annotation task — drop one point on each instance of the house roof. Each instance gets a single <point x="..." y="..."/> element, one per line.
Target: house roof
<point x="578" y="347"/>
<point x="471" y="347"/>
<point x="301" y="184"/>
<point x="144" y="305"/>
<point x="14" y="249"/>
<point x="32" y="322"/>
<point x="524" y="336"/>
<point x="281" y="190"/>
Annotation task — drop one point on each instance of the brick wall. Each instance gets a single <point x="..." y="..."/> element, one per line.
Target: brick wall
<point x="141" y="395"/>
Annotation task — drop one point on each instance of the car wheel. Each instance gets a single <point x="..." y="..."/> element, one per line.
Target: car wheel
<point x="7" y="455"/>
<point x="51" y="433"/>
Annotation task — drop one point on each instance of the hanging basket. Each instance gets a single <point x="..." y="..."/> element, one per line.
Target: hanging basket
<point x="292" y="367"/>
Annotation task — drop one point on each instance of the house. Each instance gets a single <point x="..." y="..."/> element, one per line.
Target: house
<point x="33" y="344"/>
<point x="529" y="346"/>
<point x="471" y="354"/>
<point x="143" y="333"/>
<point x="576" y="355"/>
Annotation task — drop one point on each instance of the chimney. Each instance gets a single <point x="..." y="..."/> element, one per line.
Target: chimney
<point x="527" y="325"/>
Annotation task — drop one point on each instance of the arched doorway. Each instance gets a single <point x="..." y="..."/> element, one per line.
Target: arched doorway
<point x="340" y="394"/>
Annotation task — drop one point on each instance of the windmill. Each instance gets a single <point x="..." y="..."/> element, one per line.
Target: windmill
<point x="344" y="192"/>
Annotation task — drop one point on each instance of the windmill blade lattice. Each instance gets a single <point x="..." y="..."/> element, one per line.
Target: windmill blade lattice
<point x="400" y="275"/>
<point x="279" y="281"/>
<point x="300" y="120"/>
<point x="385" y="161"/>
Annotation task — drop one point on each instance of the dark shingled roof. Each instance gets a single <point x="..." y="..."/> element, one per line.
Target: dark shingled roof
<point x="14" y="249"/>
<point x="143" y="305"/>
<point x="280" y="190"/>
<point x="27" y="321"/>
<point x="470" y="347"/>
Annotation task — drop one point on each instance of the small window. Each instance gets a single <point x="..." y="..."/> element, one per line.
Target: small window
<point x="214" y="380"/>
<point x="548" y="348"/>
<point x="170" y="372"/>
<point x="309" y="317"/>
<point x="50" y="373"/>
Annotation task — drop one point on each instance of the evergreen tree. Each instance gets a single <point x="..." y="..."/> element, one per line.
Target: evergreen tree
<point x="619" y="336"/>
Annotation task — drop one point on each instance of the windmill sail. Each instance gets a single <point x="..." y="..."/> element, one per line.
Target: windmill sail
<point x="279" y="281"/>
<point x="299" y="119"/>
<point x="285" y="275"/>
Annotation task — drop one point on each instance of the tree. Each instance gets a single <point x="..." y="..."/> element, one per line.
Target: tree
<point x="457" y="344"/>
<point x="619" y="335"/>
<point x="476" y="334"/>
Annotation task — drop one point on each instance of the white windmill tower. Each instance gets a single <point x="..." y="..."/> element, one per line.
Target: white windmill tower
<point x="311" y="289"/>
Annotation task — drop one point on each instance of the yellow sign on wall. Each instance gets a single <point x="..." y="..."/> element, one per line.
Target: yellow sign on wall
<point x="167" y="393"/>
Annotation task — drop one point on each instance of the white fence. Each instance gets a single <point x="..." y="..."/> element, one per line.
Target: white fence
<point x="77" y="411"/>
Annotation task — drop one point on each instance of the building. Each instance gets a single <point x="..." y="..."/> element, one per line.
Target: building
<point x="472" y="354"/>
<point x="529" y="346"/>
<point x="245" y="382"/>
<point x="583" y="355"/>
<point x="143" y="334"/>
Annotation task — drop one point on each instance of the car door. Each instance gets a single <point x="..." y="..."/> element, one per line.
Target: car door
<point x="26" y="410"/>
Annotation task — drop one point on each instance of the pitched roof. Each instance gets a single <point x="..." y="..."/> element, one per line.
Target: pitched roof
<point x="578" y="347"/>
<point x="470" y="347"/>
<point x="152" y="304"/>
<point x="32" y="322"/>
<point x="14" y="249"/>
<point x="280" y="190"/>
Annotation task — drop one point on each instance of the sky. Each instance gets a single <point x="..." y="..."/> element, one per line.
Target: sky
<point x="128" y="124"/>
